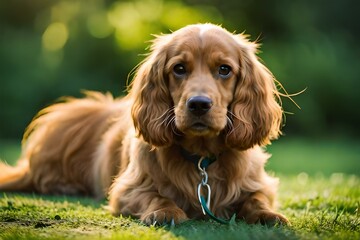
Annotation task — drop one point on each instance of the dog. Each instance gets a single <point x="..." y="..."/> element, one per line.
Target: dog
<point x="201" y="94"/>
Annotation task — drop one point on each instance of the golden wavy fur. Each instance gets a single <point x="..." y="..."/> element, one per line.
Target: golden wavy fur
<point x="203" y="91"/>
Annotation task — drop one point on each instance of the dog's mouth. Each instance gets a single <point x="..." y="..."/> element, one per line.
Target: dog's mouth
<point x="200" y="127"/>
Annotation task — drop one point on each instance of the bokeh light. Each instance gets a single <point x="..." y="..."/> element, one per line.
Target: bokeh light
<point x="55" y="36"/>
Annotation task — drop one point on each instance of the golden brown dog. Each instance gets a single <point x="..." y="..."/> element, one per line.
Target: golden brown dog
<point x="201" y="93"/>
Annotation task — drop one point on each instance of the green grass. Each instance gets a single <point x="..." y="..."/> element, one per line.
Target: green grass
<point x="318" y="208"/>
<point x="320" y="202"/>
<point x="315" y="156"/>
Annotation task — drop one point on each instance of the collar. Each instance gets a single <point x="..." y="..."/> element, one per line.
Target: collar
<point x="194" y="158"/>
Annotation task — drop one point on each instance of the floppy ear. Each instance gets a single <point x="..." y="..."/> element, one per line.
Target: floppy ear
<point x="256" y="113"/>
<point x="151" y="110"/>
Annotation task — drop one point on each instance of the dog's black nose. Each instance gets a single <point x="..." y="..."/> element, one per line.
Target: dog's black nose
<point x="199" y="105"/>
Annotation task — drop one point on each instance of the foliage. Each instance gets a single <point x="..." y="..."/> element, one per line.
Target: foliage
<point x="323" y="208"/>
<point x="53" y="48"/>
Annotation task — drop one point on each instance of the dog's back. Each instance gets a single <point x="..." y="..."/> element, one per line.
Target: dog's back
<point x="59" y="146"/>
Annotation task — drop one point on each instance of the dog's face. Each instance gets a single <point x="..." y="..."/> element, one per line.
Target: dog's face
<point x="202" y="71"/>
<point x="202" y="81"/>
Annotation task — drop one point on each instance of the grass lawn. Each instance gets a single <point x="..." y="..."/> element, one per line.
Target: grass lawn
<point x="319" y="193"/>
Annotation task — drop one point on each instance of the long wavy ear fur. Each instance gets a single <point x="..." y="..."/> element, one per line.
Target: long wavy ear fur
<point x="152" y="101"/>
<point x="257" y="116"/>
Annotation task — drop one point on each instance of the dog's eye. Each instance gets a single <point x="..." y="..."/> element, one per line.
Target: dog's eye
<point x="179" y="70"/>
<point x="224" y="71"/>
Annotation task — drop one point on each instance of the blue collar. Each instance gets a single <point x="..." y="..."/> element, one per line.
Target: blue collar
<point x="194" y="158"/>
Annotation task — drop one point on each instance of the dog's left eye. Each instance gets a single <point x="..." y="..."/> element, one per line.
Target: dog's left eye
<point x="179" y="70"/>
<point x="224" y="71"/>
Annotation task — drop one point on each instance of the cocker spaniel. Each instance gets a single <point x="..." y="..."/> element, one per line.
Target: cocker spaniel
<point x="201" y="95"/>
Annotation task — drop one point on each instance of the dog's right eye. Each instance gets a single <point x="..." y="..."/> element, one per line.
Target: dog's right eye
<point x="224" y="71"/>
<point x="179" y="70"/>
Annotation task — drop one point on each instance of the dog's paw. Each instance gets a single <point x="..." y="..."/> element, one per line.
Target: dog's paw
<point x="271" y="219"/>
<point x="165" y="216"/>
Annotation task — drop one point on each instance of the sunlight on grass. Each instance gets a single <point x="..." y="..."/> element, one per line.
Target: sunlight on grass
<point x="318" y="208"/>
<point x="325" y="206"/>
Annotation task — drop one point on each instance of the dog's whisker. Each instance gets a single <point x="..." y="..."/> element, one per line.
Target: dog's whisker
<point x="173" y="126"/>
<point x="233" y="115"/>
<point x="230" y="123"/>
<point x="169" y="117"/>
<point x="165" y="115"/>
<point x="230" y="126"/>
<point x="170" y="120"/>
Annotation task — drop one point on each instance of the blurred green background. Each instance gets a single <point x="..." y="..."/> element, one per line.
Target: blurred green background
<point x="51" y="48"/>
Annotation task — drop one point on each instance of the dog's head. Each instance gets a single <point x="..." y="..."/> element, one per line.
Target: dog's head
<point x="204" y="81"/>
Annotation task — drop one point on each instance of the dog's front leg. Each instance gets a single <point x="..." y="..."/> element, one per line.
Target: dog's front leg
<point x="144" y="203"/>
<point x="257" y="208"/>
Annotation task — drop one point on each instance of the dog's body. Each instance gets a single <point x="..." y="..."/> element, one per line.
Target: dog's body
<point x="201" y="91"/>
